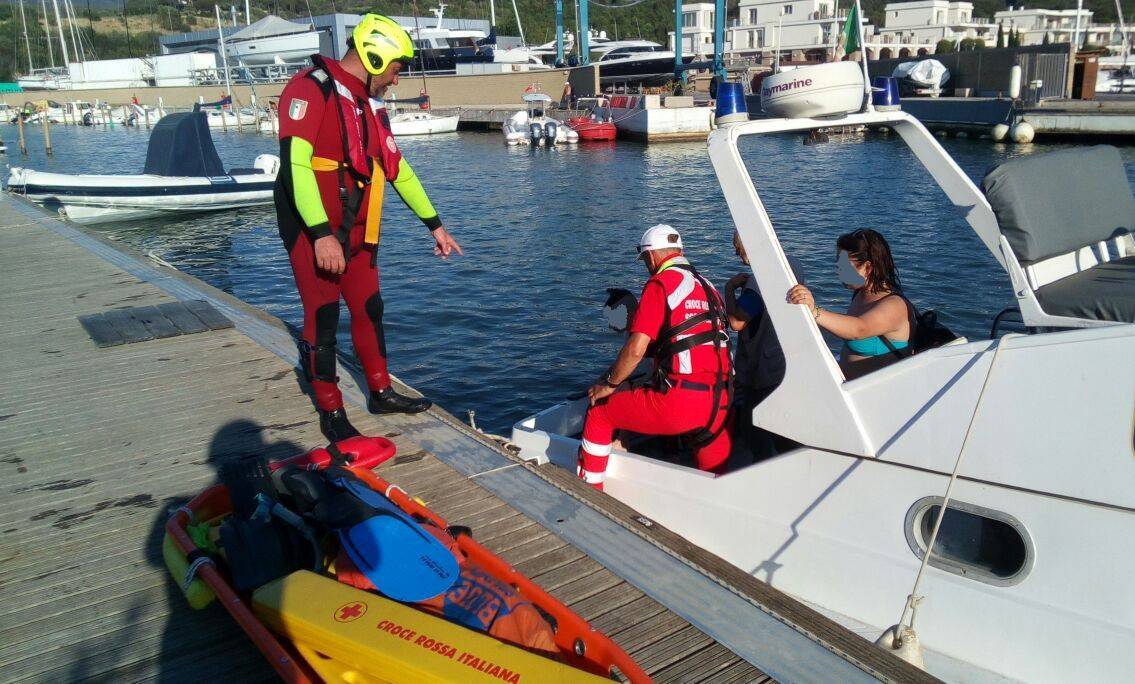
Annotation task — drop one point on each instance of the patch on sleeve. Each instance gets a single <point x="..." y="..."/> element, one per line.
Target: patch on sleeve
<point x="297" y="110"/>
<point x="391" y="146"/>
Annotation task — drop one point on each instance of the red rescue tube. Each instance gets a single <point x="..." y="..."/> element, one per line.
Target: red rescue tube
<point x="363" y="452"/>
<point x="580" y="645"/>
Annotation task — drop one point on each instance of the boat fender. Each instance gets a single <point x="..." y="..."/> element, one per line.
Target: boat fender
<point x="999" y="132"/>
<point x="1022" y="133"/>
<point x="196" y="591"/>
<point x="550" y="130"/>
<point x="905" y="647"/>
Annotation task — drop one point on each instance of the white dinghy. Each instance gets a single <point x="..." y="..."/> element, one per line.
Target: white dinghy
<point x="1030" y="575"/>
<point x="183" y="174"/>
<point x="421" y="123"/>
<point x="534" y="127"/>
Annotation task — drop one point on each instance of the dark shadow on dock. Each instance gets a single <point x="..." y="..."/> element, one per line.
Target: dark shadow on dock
<point x="199" y="645"/>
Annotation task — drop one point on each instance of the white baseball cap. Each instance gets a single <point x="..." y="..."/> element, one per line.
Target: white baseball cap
<point x="661" y="236"/>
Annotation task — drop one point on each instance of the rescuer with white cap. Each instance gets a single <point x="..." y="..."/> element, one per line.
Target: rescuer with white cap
<point x="681" y="322"/>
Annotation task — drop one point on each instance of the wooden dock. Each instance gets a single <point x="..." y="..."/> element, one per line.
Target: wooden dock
<point x="100" y="444"/>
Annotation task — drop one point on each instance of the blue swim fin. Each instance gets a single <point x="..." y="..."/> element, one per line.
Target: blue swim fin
<point x="402" y="560"/>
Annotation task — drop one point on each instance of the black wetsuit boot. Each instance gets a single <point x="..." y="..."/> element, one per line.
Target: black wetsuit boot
<point x="335" y="426"/>
<point x="389" y="401"/>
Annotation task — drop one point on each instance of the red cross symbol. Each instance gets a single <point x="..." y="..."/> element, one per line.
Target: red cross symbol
<point x="350" y="611"/>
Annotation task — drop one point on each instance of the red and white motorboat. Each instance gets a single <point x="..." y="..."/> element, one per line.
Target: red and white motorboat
<point x="597" y="125"/>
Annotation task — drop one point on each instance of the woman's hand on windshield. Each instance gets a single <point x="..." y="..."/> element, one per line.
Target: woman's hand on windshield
<point x="800" y="294"/>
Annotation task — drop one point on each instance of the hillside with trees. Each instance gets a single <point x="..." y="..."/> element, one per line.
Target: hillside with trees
<point x="111" y="29"/>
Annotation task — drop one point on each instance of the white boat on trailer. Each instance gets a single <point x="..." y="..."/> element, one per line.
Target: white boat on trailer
<point x="1029" y="578"/>
<point x="183" y="174"/>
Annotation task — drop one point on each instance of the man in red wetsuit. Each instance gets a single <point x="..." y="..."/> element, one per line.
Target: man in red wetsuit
<point x="337" y="153"/>
<point x="681" y="320"/>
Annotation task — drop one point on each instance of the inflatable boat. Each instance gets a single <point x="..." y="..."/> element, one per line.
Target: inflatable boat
<point x="183" y="174"/>
<point x="337" y="575"/>
<point x="534" y="127"/>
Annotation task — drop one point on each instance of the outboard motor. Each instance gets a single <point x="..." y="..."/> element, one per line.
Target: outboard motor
<point x="88" y="119"/>
<point x="550" y="130"/>
<point x="536" y="132"/>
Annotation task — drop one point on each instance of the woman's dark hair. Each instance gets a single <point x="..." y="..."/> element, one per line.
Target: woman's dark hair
<point x="870" y="247"/>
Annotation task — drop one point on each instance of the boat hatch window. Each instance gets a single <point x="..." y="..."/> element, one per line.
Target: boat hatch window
<point x="975" y="542"/>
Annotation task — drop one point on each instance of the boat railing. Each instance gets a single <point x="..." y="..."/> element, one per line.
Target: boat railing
<point x="255" y="75"/>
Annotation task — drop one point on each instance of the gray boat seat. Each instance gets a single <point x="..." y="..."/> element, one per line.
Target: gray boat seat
<point x="245" y="172"/>
<point x="1067" y="217"/>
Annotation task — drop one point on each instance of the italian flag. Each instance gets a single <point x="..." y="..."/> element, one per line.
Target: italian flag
<point x="849" y="37"/>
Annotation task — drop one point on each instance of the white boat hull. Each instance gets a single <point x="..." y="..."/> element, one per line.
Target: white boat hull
<point x="274" y="49"/>
<point x="226" y="119"/>
<point x="832" y="529"/>
<point x="421" y="123"/>
<point x="517" y="130"/>
<point x="92" y="199"/>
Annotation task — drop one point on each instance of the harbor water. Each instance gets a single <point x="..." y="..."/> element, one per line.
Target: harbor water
<point x="515" y="325"/>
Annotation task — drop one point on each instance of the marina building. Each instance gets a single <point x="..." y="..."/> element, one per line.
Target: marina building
<point x="1039" y="26"/>
<point x="914" y="28"/>
<point x="334" y="29"/>
<point x="802" y="27"/>
<point x="697" y="29"/>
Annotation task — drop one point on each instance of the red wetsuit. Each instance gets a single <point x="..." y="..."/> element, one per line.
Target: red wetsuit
<point x="693" y="378"/>
<point x="332" y="139"/>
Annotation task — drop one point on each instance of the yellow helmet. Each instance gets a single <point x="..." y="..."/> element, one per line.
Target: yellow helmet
<point x="379" y="41"/>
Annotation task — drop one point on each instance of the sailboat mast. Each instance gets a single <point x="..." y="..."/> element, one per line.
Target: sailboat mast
<point x="27" y="42"/>
<point x="76" y="47"/>
<point x="224" y="55"/>
<point x="518" y="26"/>
<point x="47" y="33"/>
<point x="76" y="36"/>
<point x="62" y="40"/>
<point x="492" y="13"/>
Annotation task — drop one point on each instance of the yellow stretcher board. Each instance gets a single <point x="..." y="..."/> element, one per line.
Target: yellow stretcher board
<point x="363" y="637"/>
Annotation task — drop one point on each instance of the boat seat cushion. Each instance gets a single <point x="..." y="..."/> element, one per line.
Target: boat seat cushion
<point x="1051" y="204"/>
<point x="245" y="172"/>
<point x="1102" y="293"/>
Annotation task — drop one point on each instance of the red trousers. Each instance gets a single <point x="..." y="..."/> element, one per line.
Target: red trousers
<point x="320" y="293"/>
<point x="651" y="412"/>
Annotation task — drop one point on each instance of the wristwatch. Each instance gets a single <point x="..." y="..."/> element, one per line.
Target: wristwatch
<point x="607" y="381"/>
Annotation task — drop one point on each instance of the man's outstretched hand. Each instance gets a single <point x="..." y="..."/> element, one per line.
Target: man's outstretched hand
<point x="445" y="244"/>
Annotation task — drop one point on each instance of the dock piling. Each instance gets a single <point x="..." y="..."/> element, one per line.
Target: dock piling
<point x="20" y="127"/>
<point x="47" y="134"/>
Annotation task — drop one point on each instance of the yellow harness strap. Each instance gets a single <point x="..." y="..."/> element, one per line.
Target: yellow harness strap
<point x="373" y="230"/>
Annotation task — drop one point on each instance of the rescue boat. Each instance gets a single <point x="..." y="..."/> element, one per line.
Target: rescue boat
<point x="597" y="124"/>
<point x="843" y="507"/>
<point x="315" y="621"/>
<point x="534" y="127"/>
<point x="183" y="174"/>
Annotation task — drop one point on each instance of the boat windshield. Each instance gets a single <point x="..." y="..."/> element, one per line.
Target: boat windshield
<point x="623" y="52"/>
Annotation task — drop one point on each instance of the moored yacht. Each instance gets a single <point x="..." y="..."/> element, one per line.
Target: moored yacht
<point x="635" y="62"/>
<point x="1024" y="439"/>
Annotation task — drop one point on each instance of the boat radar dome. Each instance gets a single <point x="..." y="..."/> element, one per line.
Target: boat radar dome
<point x="833" y="89"/>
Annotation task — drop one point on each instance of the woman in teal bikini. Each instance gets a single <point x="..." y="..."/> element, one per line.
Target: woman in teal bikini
<point x="876" y="328"/>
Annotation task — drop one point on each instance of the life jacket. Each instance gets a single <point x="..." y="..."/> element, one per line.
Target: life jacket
<point x="356" y="168"/>
<point x="673" y="351"/>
